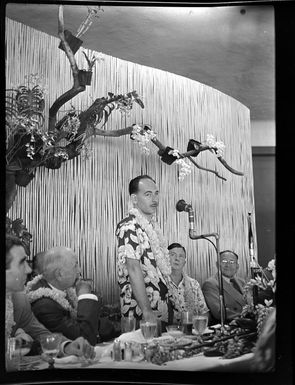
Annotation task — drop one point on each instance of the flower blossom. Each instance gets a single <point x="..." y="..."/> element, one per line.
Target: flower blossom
<point x="218" y="146"/>
<point x="185" y="167"/>
<point x="143" y="137"/>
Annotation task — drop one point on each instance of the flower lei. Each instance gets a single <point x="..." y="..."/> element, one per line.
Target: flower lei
<point x="9" y="319"/>
<point x="55" y="294"/>
<point x="188" y="297"/>
<point x="157" y="242"/>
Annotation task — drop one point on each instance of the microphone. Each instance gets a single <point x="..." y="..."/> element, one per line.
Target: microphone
<point x="181" y="205"/>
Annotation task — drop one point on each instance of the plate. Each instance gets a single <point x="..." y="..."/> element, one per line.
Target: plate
<point x="207" y="331"/>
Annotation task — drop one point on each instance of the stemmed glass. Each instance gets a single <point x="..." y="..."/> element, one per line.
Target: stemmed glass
<point x="50" y="344"/>
<point x="200" y="323"/>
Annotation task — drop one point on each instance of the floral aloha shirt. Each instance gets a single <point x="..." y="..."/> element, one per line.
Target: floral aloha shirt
<point x="187" y="296"/>
<point x="133" y="243"/>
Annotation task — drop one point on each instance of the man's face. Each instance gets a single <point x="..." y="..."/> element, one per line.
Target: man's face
<point x="70" y="270"/>
<point x="177" y="258"/>
<point x="17" y="273"/>
<point x="147" y="197"/>
<point x="229" y="265"/>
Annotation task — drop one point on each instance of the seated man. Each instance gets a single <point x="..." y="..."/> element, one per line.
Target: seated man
<point x="232" y="289"/>
<point x="19" y="319"/>
<point x="185" y="292"/>
<point x="64" y="303"/>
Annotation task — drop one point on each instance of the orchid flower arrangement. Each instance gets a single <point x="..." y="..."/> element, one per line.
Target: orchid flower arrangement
<point x="261" y="311"/>
<point x="185" y="167"/>
<point x="217" y="146"/>
<point x="85" y="25"/>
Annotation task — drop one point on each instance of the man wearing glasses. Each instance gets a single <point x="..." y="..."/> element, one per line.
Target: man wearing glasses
<point x="232" y="289"/>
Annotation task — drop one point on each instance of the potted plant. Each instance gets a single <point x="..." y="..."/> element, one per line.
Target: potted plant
<point x="85" y="76"/>
<point x="74" y="41"/>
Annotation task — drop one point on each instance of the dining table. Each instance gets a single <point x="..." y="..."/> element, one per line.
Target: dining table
<point x="104" y="360"/>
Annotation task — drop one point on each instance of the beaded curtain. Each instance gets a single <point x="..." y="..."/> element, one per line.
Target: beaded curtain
<point x="80" y="204"/>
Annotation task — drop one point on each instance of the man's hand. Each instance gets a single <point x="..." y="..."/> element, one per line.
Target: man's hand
<point x="20" y="335"/>
<point x="83" y="287"/>
<point x="80" y="347"/>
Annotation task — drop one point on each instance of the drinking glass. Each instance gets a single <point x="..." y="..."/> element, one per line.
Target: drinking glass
<point x="50" y="344"/>
<point x="187" y="322"/>
<point x="127" y="324"/>
<point x="148" y="329"/>
<point x="200" y="323"/>
<point x="16" y="349"/>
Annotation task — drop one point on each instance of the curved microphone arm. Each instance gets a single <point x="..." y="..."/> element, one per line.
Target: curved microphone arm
<point x="193" y="235"/>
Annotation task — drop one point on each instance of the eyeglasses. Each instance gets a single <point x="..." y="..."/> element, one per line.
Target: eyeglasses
<point x="224" y="261"/>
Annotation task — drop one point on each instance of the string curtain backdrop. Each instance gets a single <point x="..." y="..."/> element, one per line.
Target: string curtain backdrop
<point x="80" y="204"/>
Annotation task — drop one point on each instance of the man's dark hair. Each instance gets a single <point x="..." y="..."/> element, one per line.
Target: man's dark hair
<point x="133" y="184"/>
<point x="231" y="252"/>
<point x="10" y="241"/>
<point x="174" y="245"/>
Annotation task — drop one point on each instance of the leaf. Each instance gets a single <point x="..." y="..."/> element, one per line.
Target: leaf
<point x="138" y="101"/>
<point x="87" y="58"/>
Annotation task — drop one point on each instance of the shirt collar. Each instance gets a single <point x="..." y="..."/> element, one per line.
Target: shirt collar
<point x="55" y="288"/>
<point x="180" y="283"/>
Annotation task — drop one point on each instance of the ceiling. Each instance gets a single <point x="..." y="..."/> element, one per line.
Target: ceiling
<point x="229" y="48"/>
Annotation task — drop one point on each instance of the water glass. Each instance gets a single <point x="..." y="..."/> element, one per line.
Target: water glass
<point x="16" y="349"/>
<point x="148" y="329"/>
<point x="127" y="324"/>
<point x="200" y="323"/>
<point x="13" y="356"/>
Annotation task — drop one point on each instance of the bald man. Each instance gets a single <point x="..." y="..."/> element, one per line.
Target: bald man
<point x="61" y="309"/>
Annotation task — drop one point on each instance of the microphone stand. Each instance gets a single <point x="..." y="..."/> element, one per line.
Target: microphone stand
<point x="192" y="235"/>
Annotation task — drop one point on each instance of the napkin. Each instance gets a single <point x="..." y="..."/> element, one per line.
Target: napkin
<point x="68" y="360"/>
<point x="135" y="336"/>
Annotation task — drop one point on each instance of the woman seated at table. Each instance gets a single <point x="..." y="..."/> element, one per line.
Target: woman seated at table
<point x="184" y="292"/>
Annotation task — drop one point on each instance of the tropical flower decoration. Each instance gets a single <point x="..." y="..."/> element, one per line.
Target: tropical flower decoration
<point x="91" y="61"/>
<point x="29" y="145"/>
<point x="185" y="167"/>
<point x="261" y="311"/>
<point x="142" y="135"/>
<point x="18" y="229"/>
<point x="85" y="25"/>
<point x="217" y="146"/>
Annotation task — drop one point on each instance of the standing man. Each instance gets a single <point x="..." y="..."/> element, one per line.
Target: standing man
<point x="143" y="265"/>
<point x="232" y="288"/>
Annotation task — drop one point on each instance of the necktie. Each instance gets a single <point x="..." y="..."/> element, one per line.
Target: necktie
<point x="235" y="285"/>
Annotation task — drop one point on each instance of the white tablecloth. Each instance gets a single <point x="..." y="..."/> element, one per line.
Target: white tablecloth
<point x="196" y="363"/>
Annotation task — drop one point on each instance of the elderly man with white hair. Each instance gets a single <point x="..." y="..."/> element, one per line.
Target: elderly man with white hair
<point x="19" y="319"/>
<point x="63" y="302"/>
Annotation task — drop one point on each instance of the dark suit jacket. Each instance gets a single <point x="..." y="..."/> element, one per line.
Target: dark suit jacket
<point x="57" y="319"/>
<point x="24" y="318"/>
<point x="233" y="299"/>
